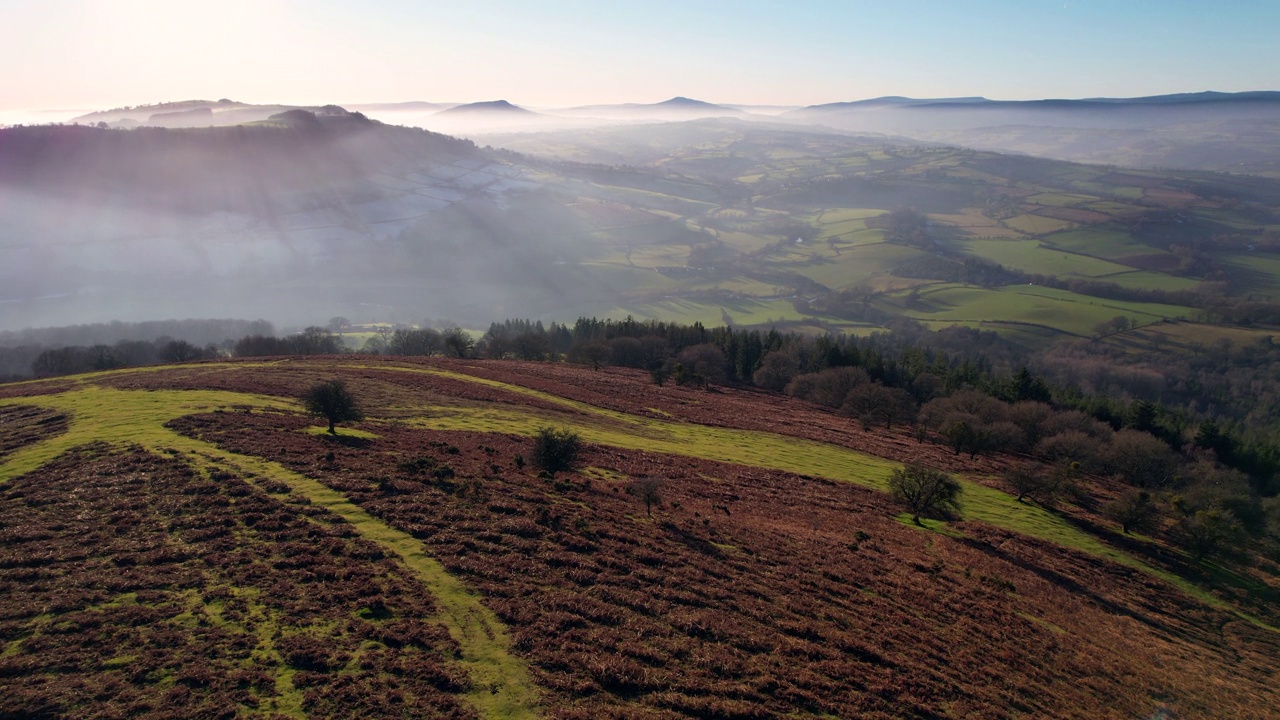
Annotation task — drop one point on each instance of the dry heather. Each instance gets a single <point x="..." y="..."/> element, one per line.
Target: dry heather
<point x="135" y="579"/>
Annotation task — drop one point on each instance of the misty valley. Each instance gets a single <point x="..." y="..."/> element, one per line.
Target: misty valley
<point x="927" y="408"/>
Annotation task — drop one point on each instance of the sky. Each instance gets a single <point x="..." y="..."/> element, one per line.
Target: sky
<point x="96" y="54"/>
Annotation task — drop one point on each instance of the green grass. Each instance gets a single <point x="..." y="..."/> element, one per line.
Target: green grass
<point x="842" y="215"/>
<point x="1059" y="199"/>
<point x="1099" y="241"/>
<point x="1110" y="207"/>
<point x="856" y="264"/>
<point x="1060" y="309"/>
<point x="323" y="430"/>
<point x="1032" y="257"/>
<point x="1148" y="280"/>
<point x="503" y="688"/>
<point x="742" y="312"/>
<point x="1261" y="272"/>
<point x="1036" y="224"/>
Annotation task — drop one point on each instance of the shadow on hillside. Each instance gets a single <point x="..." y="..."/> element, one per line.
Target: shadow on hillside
<point x="1261" y="597"/>
<point x="350" y="441"/>
<point x="691" y="541"/>
<point x="1074" y="587"/>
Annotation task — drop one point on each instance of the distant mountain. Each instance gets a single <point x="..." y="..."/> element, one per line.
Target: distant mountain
<point x="676" y="108"/>
<point x="684" y="103"/>
<point x="411" y="106"/>
<point x="971" y="103"/>
<point x="491" y="107"/>
<point x="887" y="101"/>
<point x="197" y="113"/>
<point x="1201" y="131"/>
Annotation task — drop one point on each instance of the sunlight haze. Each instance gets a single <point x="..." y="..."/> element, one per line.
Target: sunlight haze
<point x="89" y="53"/>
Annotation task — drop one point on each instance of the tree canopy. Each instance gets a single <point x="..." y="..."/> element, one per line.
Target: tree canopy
<point x="330" y="399"/>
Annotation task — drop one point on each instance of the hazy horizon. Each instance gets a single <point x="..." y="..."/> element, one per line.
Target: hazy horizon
<point x="566" y="53"/>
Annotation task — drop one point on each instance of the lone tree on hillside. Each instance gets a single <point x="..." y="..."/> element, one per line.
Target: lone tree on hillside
<point x="330" y="399"/>
<point x="555" y="449"/>
<point x="924" y="490"/>
<point x="649" y="490"/>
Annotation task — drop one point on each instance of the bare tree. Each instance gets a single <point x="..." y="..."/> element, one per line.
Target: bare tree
<point x="649" y="490"/>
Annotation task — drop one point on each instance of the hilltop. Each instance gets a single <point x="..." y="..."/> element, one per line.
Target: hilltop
<point x="492" y="106"/>
<point x="202" y="542"/>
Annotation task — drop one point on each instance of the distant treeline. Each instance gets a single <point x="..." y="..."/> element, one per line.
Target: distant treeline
<point x="200" y="332"/>
<point x="102" y="346"/>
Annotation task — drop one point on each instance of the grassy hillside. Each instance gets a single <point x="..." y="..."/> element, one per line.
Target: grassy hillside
<point x="183" y="536"/>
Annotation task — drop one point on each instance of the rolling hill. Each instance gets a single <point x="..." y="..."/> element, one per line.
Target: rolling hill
<point x="496" y="107"/>
<point x="306" y="216"/>
<point x="183" y="536"/>
<point x="1224" y="132"/>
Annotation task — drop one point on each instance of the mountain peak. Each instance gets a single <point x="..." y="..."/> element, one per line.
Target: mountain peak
<point x="681" y="101"/>
<point x="489" y="106"/>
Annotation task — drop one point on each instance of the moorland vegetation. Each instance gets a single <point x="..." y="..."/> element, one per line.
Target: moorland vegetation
<point x="717" y="550"/>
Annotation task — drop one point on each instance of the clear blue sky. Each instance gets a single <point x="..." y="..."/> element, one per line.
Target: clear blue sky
<point x="101" y="53"/>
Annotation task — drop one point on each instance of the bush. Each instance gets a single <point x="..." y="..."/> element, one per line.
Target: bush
<point x="555" y="449"/>
<point x="1141" y="459"/>
<point x="1035" y="481"/>
<point x="1134" y="510"/>
<point x="1210" y="532"/>
<point x="925" y="491"/>
<point x="776" y="370"/>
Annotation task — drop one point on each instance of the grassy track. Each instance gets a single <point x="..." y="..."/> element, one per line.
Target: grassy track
<point x="502" y="687"/>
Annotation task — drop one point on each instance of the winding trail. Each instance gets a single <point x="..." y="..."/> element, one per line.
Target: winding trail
<point x="502" y="688"/>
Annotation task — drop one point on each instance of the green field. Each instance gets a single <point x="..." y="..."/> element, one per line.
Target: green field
<point x="1048" y="307"/>
<point x="1037" y="224"/>
<point x="1147" y="280"/>
<point x="711" y="314"/>
<point x="1031" y="256"/>
<point x="857" y="264"/>
<point x="1259" y="272"/>
<point x="1103" y="242"/>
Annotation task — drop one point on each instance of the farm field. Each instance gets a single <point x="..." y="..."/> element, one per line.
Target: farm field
<point x="413" y="565"/>
<point x="1032" y="217"/>
<point x="1048" y="307"/>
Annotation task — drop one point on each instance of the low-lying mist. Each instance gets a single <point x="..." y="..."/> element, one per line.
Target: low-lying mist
<point x="295" y="220"/>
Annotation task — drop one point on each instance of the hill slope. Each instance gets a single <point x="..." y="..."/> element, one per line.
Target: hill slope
<point x="191" y="512"/>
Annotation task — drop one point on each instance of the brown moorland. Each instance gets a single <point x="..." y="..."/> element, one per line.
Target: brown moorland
<point x="749" y="592"/>
<point x="136" y="586"/>
<point x="25" y="425"/>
